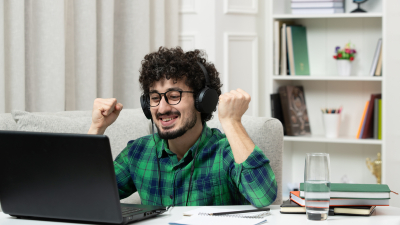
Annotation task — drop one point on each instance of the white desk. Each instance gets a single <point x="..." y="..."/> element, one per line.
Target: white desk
<point x="383" y="215"/>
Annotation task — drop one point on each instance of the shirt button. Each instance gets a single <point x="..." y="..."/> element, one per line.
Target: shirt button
<point x="171" y="196"/>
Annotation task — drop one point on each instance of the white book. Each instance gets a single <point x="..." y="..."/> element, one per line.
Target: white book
<point x="317" y="4"/>
<point x="317" y="0"/>
<point x="277" y="42"/>
<point x="376" y="57"/>
<point x="318" y="11"/>
<point x="283" y="50"/>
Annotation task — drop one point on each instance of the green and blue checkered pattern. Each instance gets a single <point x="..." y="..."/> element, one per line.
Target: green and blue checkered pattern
<point x="217" y="178"/>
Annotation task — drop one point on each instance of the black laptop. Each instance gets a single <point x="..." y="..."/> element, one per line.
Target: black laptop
<point x="63" y="177"/>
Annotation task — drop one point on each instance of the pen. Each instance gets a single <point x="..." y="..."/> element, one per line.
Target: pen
<point x="236" y="212"/>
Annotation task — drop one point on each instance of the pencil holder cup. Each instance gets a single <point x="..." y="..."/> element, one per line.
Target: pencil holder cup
<point x="331" y="124"/>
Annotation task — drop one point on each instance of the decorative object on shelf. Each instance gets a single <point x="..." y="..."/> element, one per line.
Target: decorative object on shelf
<point x="375" y="167"/>
<point x="294" y="110"/>
<point x="359" y="10"/>
<point x="344" y="57"/>
<point x="332" y="119"/>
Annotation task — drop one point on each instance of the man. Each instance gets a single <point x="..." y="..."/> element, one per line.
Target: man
<point x="186" y="162"/>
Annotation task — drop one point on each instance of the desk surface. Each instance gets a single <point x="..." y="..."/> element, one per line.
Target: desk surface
<point x="383" y="215"/>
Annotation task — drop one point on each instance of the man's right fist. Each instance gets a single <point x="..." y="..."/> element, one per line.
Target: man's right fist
<point x="105" y="112"/>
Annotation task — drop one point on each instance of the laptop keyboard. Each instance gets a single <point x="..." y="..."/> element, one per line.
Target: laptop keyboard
<point x="128" y="210"/>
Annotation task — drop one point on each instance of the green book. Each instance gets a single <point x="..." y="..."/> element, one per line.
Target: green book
<point x="380" y="119"/>
<point x="300" y="50"/>
<point x="359" y="191"/>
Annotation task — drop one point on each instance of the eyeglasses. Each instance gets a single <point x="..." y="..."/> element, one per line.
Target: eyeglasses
<point x="171" y="97"/>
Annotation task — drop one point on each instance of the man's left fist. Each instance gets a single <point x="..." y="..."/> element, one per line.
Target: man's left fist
<point x="232" y="105"/>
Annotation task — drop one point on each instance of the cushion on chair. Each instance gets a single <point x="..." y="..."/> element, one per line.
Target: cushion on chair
<point x="7" y="122"/>
<point x="267" y="134"/>
<point x="131" y="124"/>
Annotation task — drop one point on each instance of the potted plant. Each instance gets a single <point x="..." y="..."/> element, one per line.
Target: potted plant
<point x="344" y="57"/>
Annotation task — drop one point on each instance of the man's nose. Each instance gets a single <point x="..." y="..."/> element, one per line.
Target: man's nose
<point x="163" y="107"/>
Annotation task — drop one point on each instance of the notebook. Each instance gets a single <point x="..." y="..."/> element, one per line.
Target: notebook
<point x="200" y="216"/>
<point x="295" y="196"/>
<point x="290" y="207"/>
<point x="360" y="191"/>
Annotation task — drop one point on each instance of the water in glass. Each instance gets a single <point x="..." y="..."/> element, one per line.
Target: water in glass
<point x="317" y="199"/>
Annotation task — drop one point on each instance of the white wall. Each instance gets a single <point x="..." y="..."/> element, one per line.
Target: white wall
<point x="228" y="32"/>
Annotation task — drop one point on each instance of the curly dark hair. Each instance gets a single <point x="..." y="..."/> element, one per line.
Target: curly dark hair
<point x="174" y="63"/>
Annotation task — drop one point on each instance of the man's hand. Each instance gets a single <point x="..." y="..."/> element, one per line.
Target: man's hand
<point x="233" y="105"/>
<point x="105" y="112"/>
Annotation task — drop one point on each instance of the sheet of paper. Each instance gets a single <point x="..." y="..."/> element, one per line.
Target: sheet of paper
<point x="217" y="220"/>
<point x="215" y="210"/>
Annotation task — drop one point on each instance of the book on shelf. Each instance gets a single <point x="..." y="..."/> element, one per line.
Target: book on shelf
<point x="317" y="0"/>
<point x="380" y="119"/>
<point x="291" y="207"/>
<point x="368" y="131"/>
<point x="277" y="45"/>
<point x="362" y="122"/>
<point x="378" y="71"/>
<point x="276" y="109"/>
<point x="376" y="118"/>
<point x="317" y="4"/>
<point x="297" y="50"/>
<point x="376" y="57"/>
<point x="283" y="58"/>
<point x="295" y="196"/>
<point x="317" y="10"/>
<point x="353" y="191"/>
<point x="294" y="110"/>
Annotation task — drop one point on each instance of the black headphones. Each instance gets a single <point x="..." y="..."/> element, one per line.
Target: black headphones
<point x="205" y="102"/>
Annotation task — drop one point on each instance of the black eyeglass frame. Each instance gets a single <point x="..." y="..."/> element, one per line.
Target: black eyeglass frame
<point x="166" y="98"/>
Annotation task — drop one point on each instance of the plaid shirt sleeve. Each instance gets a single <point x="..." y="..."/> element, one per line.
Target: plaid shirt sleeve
<point x="254" y="177"/>
<point x="122" y="173"/>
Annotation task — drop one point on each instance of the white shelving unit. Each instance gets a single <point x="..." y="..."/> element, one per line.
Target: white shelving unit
<point x="325" y="89"/>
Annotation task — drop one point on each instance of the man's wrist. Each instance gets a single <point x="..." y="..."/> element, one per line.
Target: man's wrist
<point x="230" y="123"/>
<point x="96" y="130"/>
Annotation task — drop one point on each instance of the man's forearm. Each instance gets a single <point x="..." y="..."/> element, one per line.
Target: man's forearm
<point x="240" y="142"/>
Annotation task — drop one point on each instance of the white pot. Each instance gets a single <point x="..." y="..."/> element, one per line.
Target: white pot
<point x="344" y="67"/>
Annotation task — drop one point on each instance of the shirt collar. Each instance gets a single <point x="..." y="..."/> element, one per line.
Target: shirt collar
<point x="162" y="145"/>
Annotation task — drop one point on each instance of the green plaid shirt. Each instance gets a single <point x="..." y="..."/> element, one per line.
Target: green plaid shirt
<point x="217" y="178"/>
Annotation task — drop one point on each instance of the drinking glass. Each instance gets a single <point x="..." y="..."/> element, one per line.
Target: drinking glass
<point x="317" y="185"/>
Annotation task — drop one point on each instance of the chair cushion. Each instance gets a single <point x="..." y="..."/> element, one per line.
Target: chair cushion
<point x="131" y="124"/>
<point x="7" y="122"/>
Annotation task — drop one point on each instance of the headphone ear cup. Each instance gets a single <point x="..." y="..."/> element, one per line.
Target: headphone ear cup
<point x="207" y="100"/>
<point x="145" y="107"/>
<point x="197" y="101"/>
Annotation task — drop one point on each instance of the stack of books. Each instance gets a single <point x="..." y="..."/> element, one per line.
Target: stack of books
<point x="371" y="120"/>
<point x="290" y="49"/>
<point x="317" y="6"/>
<point x="345" y="199"/>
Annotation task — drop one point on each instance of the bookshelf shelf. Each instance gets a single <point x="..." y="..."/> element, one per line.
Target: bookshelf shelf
<point x="318" y="16"/>
<point x="340" y="140"/>
<point x="327" y="78"/>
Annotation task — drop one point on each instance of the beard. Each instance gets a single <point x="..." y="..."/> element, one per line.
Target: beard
<point x="188" y="124"/>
